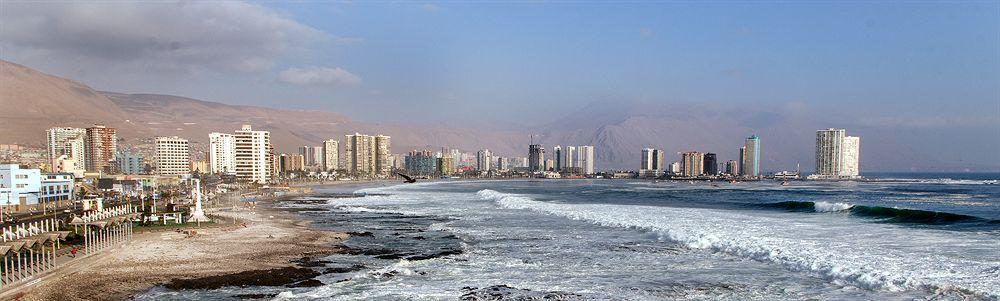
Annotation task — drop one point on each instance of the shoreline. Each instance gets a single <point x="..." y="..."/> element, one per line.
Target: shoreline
<point x="257" y="246"/>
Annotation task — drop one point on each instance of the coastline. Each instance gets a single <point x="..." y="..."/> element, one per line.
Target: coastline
<point x="253" y="247"/>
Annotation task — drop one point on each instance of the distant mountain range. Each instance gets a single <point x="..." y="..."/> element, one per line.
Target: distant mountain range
<point x="33" y="101"/>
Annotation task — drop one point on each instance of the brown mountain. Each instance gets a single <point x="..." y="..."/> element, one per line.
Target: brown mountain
<point x="43" y="101"/>
<point x="31" y="102"/>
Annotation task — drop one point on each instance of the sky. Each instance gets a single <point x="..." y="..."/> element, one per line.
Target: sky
<point x="925" y="64"/>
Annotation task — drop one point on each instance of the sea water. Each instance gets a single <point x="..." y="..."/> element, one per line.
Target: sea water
<point x="896" y="238"/>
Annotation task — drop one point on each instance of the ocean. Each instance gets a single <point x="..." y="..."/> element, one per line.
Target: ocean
<point x="898" y="237"/>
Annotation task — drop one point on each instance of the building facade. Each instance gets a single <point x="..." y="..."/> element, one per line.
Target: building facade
<point x="19" y="187"/>
<point x="130" y="163"/>
<point x="331" y="155"/>
<point x="100" y="145"/>
<point x="420" y="163"/>
<point x="66" y="143"/>
<point x="693" y="164"/>
<point x="751" y="157"/>
<point x="536" y="158"/>
<point x="222" y="153"/>
<point x="254" y="155"/>
<point x="711" y="165"/>
<point x="484" y="160"/>
<point x="383" y="155"/>
<point x="837" y="155"/>
<point x="585" y="159"/>
<point x="173" y="157"/>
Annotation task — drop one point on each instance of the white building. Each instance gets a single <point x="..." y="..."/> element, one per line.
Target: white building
<point x="484" y="160"/>
<point x="222" y="153"/>
<point x="173" y="157"/>
<point x="253" y="161"/>
<point x="18" y="187"/>
<point x="675" y="168"/>
<point x="383" y="155"/>
<point x="66" y="149"/>
<point x="569" y="156"/>
<point x="852" y="154"/>
<point x="837" y="155"/>
<point x="359" y="155"/>
<point x="331" y="155"/>
<point x="586" y="159"/>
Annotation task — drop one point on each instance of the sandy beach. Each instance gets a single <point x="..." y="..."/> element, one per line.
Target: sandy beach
<point x="271" y="240"/>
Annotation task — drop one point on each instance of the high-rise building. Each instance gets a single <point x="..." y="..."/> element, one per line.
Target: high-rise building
<point x="852" y="154"/>
<point x="222" y="153"/>
<point x="837" y="155"/>
<point x="732" y="168"/>
<point x="254" y="155"/>
<point x="420" y="162"/>
<point x="557" y="156"/>
<point x="829" y="152"/>
<point x="445" y="165"/>
<point x="68" y="142"/>
<point x="711" y="165"/>
<point x="129" y="163"/>
<point x="586" y="159"/>
<point x="694" y="164"/>
<point x="307" y="155"/>
<point x="652" y="159"/>
<point x="172" y="156"/>
<point x="484" y="160"/>
<point x="536" y="157"/>
<point x="503" y="164"/>
<point x="331" y="155"/>
<point x="359" y="153"/>
<point x="549" y="164"/>
<point x="569" y="158"/>
<point x="383" y="155"/>
<point x="751" y="157"/>
<point x="675" y="168"/>
<point x="100" y="145"/>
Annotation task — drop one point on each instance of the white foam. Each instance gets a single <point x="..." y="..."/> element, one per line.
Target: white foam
<point x="842" y="250"/>
<point x="831" y="207"/>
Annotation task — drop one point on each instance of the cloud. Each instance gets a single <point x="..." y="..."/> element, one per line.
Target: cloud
<point x="185" y="36"/>
<point x="319" y="76"/>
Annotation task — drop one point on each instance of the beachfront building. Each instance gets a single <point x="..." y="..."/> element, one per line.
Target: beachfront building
<point x="173" y="157"/>
<point x="693" y="164"/>
<point x="675" y="168"/>
<point x="222" y="153"/>
<point x="837" y="155"/>
<point x="420" y="163"/>
<point x="66" y="144"/>
<point x="652" y="163"/>
<point x="484" y="160"/>
<point x="331" y="155"/>
<point x="100" y="145"/>
<point x="253" y="158"/>
<point x="382" y="155"/>
<point x="445" y="166"/>
<point x="307" y="155"/>
<point x="536" y="157"/>
<point x="711" y="165"/>
<point x="750" y="157"/>
<point x="568" y="160"/>
<point x="585" y="159"/>
<point x="732" y="168"/>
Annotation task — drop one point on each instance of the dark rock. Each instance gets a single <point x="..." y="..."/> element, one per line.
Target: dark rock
<point x="273" y="277"/>
<point x="307" y="283"/>
<point x="353" y="268"/>
<point x="435" y="255"/>
<point x="360" y="233"/>
<point x="255" y="296"/>
<point x="308" y="262"/>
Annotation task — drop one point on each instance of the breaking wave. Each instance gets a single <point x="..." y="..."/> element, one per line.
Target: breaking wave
<point x="884" y="214"/>
<point x="796" y="246"/>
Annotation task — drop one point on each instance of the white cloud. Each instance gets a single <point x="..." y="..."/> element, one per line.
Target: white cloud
<point x="226" y="35"/>
<point x="319" y="76"/>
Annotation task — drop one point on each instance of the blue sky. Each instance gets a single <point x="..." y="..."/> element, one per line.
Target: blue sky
<point x="532" y="62"/>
